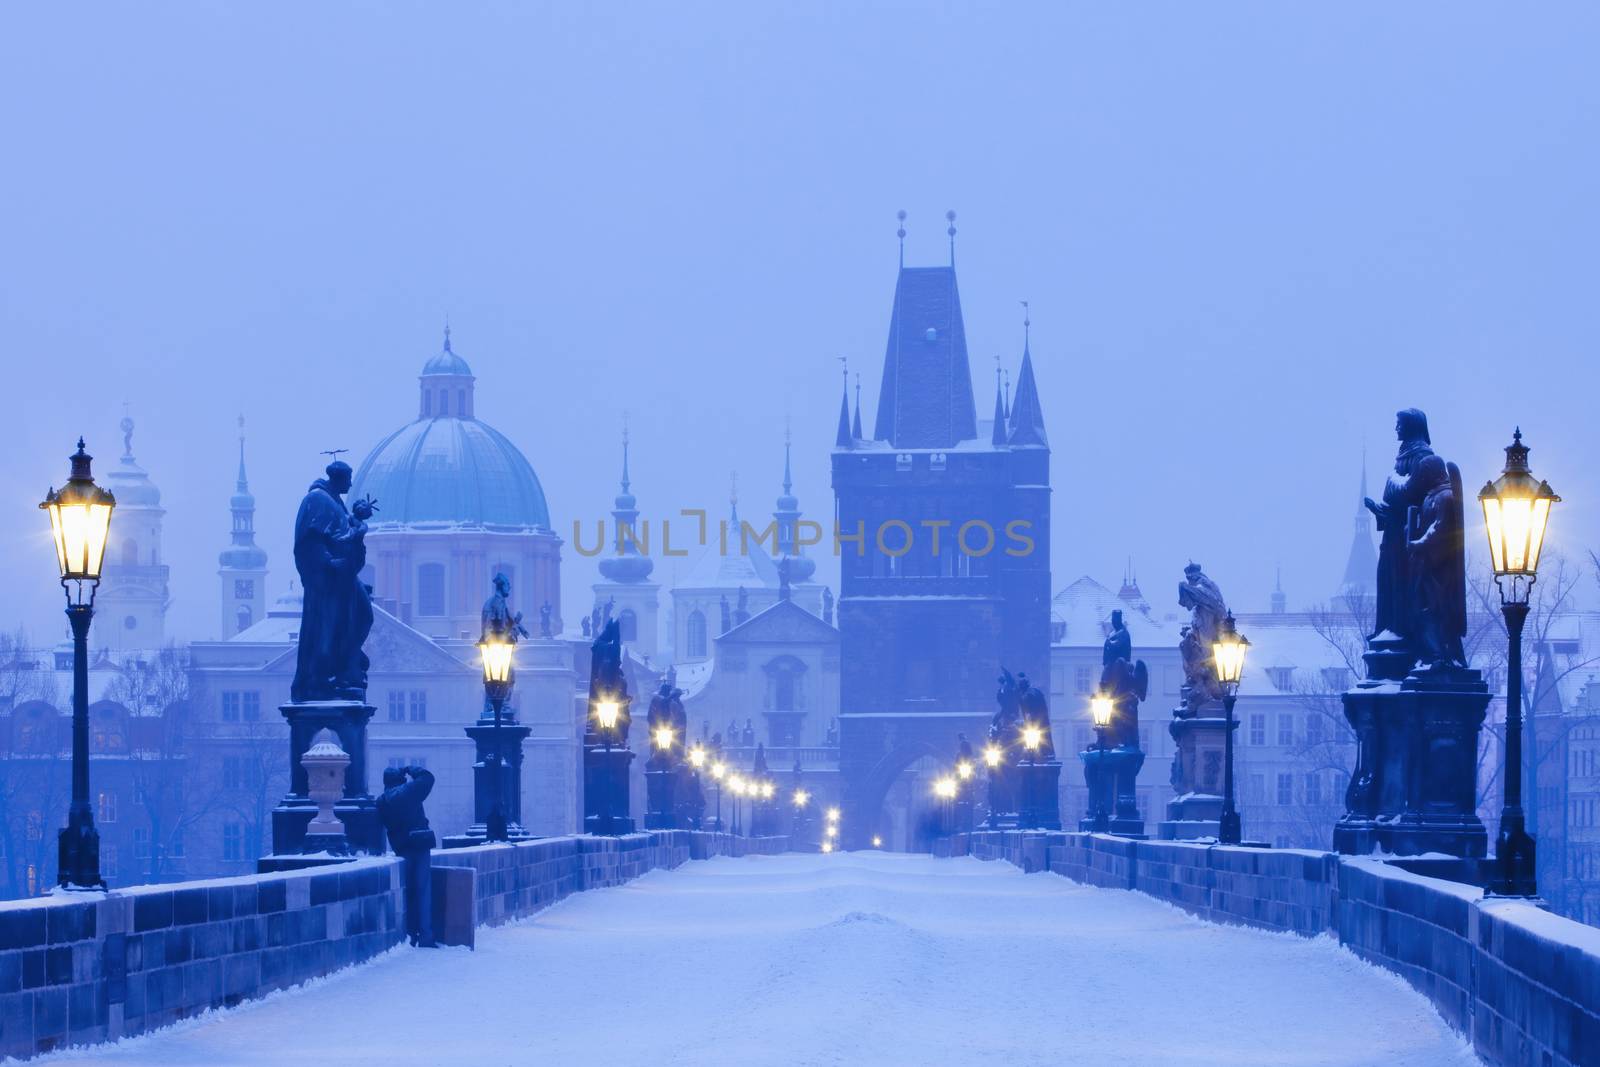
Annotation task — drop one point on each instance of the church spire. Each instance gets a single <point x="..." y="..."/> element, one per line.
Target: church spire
<point x="787" y="516"/>
<point x="625" y="563"/>
<point x="1027" y="416"/>
<point x="243" y="564"/>
<point x="1361" y="565"/>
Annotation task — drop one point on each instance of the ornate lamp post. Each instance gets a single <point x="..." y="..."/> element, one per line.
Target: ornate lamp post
<point x="1228" y="655"/>
<point x="1101" y="708"/>
<point x="1516" y="507"/>
<point x="606" y="712"/>
<point x="498" y="678"/>
<point x="80" y="520"/>
<point x="964" y="772"/>
<point x="697" y="763"/>
<point x="993" y="758"/>
<point x="944" y="787"/>
<point x="719" y="771"/>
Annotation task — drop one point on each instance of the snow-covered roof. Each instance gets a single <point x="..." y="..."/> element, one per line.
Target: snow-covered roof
<point x="1084" y="610"/>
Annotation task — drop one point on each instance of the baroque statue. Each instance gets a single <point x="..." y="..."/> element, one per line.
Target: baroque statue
<point x="329" y="552"/>
<point x="1125" y="680"/>
<point x="1421" y="607"/>
<point x="1207" y="609"/>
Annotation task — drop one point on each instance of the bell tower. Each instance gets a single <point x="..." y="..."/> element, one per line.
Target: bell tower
<point x="242" y="566"/>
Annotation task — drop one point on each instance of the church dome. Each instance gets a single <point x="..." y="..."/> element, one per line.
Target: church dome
<point x="449" y="469"/>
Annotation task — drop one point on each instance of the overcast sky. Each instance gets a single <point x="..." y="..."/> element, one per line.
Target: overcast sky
<point x="1249" y="233"/>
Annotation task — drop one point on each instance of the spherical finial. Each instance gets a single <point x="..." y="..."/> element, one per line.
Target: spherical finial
<point x="950" y="217"/>
<point x="901" y="232"/>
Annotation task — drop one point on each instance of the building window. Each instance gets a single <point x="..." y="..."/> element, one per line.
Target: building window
<point x="696" y="635"/>
<point x="232" y="772"/>
<point x="1081" y="679"/>
<point x="628" y="625"/>
<point x="419" y="705"/>
<point x="243" y="620"/>
<point x="106" y="808"/>
<point x="1336" y="678"/>
<point x="108" y="861"/>
<point x="1313" y="729"/>
<point x="430" y="589"/>
<point x="1258" y="729"/>
<point x="427" y="403"/>
<point x="1314" y="788"/>
<point x="130" y="552"/>
<point x="240" y="705"/>
<point x="141" y="844"/>
<point x="1285" y="729"/>
<point x="1257" y="792"/>
<point x="1282" y="678"/>
<point x="35" y="826"/>
<point x="397" y="706"/>
<point x="1285" y="789"/>
<point x="232" y="842"/>
<point x="244" y="588"/>
<point x="461" y="401"/>
<point x="444" y="402"/>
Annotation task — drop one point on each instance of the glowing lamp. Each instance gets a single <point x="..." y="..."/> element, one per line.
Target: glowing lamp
<point x="992" y="755"/>
<point x="697" y="757"/>
<point x="1100" y="709"/>
<point x="1032" y="738"/>
<point x="497" y="655"/>
<point x="718" y="769"/>
<point x="606" y="712"/>
<point x="767" y="790"/>
<point x="877" y="842"/>
<point x="801" y="798"/>
<point x="1227" y="654"/>
<point x="964" y="769"/>
<point x="80" y="521"/>
<point x="663" y="737"/>
<point x="827" y="846"/>
<point x="833" y="814"/>
<point x="945" y="787"/>
<point x="1516" y="507"/>
<point x="832" y="830"/>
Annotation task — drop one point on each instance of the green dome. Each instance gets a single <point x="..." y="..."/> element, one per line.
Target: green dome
<point x="452" y="472"/>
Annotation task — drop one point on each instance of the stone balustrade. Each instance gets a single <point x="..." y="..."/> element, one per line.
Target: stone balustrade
<point x="83" y="968"/>
<point x="1521" y="983"/>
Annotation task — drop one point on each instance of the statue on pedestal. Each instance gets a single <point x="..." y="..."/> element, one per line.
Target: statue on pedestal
<point x="329" y="552"/>
<point x="544" y="619"/>
<point x="1401" y="493"/>
<point x="1035" y="712"/>
<point x="1436" y="558"/>
<point x="1207" y="609"/>
<point x="1125" y="681"/>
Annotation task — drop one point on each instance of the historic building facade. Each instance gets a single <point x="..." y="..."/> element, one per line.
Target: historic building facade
<point x="131" y="605"/>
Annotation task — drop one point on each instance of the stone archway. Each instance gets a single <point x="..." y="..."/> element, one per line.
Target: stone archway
<point x="874" y="750"/>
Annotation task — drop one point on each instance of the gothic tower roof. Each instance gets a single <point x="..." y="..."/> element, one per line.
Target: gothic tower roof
<point x="925" y="400"/>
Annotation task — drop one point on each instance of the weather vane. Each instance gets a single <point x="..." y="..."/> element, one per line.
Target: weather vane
<point x="334" y="452"/>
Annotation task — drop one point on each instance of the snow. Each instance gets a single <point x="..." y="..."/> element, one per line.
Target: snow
<point x="850" y="958"/>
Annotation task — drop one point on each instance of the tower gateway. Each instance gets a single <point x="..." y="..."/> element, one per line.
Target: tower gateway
<point x="944" y="546"/>
<point x="457" y="504"/>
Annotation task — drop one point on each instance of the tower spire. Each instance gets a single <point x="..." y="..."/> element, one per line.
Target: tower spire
<point x="843" y="438"/>
<point x="625" y="482"/>
<point x="950" y="217"/>
<point x="901" y="233"/>
<point x="1027" y="416"/>
<point x="997" y="435"/>
<point x="855" y="424"/>
<point x="243" y="484"/>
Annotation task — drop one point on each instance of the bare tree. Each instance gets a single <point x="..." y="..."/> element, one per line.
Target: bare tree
<point x="172" y="792"/>
<point x="34" y="783"/>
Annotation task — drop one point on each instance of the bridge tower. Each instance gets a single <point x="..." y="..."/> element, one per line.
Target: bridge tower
<point x="944" y="527"/>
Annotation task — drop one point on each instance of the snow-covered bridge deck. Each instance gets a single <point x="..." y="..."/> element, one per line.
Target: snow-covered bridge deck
<point x="869" y="958"/>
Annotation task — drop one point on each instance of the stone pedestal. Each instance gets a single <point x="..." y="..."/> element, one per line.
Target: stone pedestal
<point x="1002" y="798"/>
<point x="605" y="790"/>
<point x="1195" y="810"/>
<point x="1039" y="795"/>
<point x="1414" y="788"/>
<point x="1112" y="775"/>
<point x="661" y="799"/>
<point x="356" y="808"/>
<point x="497" y="773"/>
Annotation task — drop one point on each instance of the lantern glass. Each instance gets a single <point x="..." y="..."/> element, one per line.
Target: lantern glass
<point x="1101" y="707"/>
<point x="1227" y="654"/>
<point x="663" y="737"/>
<point x="1516" y="510"/>
<point x="767" y="790"/>
<point x="497" y="657"/>
<point x="606" y="712"/>
<point x="697" y="757"/>
<point x="1032" y="737"/>
<point x="801" y="797"/>
<point x="964" y="768"/>
<point x="80" y="522"/>
<point x="718" y="769"/>
<point x="991" y="755"/>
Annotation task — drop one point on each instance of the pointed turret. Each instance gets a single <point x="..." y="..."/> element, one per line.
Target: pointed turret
<point x="998" y="436"/>
<point x="1027" y="416"/>
<point x="844" y="438"/>
<point x="855" y="423"/>
<point x="1280" y="602"/>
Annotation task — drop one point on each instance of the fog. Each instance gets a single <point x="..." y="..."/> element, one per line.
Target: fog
<point x="1248" y="233"/>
